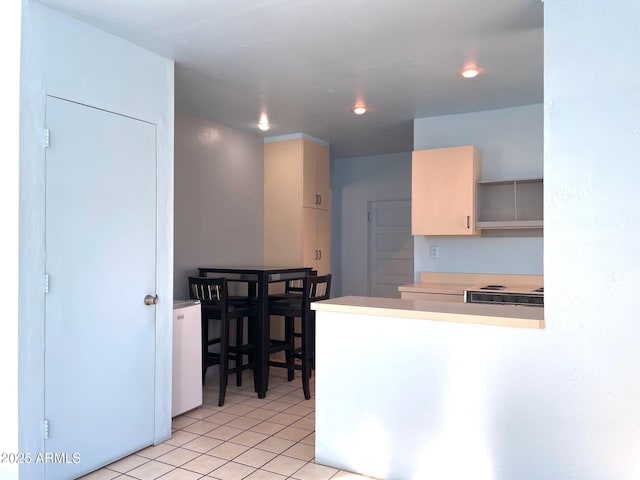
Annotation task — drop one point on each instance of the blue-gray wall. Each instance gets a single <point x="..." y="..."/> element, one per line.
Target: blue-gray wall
<point x="70" y="59"/>
<point x="219" y="197"/>
<point x="356" y="181"/>
<point x="9" y="199"/>
<point x="511" y="143"/>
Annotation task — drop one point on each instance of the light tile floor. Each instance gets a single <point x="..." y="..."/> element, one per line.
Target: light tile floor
<point x="248" y="438"/>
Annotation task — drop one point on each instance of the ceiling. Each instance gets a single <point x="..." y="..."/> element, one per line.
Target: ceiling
<point x="305" y="63"/>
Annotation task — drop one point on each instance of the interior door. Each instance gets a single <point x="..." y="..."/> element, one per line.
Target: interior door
<point x="390" y="247"/>
<point x="101" y="263"/>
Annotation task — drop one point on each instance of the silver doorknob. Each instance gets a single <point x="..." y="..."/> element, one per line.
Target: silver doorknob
<point x="151" y="299"/>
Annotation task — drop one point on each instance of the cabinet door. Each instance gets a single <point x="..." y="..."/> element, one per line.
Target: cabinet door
<point x="443" y="191"/>
<point x="315" y="175"/>
<point x="316" y="239"/>
<point x="310" y="255"/>
<point x="323" y="241"/>
<point x="322" y="177"/>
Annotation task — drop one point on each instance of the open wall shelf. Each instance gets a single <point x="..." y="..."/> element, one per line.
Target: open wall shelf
<point x="505" y="204"/>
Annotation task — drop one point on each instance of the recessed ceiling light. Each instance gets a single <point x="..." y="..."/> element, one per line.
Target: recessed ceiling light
<point x="470" y="72"/>
<point x="263" y="124"/>
<point x="359" y="110"/>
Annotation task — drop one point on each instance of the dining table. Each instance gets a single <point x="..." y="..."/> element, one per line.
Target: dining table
<point x="258" y="278"/>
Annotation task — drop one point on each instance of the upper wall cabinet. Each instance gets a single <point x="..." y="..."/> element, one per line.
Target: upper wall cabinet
<point x="315" y="159"/>
<point x="507" y="204"/>
<point x="443" y="183"/>
<point x="298" y="171"/>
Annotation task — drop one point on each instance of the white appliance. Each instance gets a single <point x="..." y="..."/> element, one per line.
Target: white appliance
<point x="187" y="357"/>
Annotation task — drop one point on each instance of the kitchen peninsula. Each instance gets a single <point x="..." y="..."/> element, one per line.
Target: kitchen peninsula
<point x="403" y="388"/>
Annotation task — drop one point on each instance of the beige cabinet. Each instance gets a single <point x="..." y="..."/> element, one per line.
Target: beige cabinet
<point x="315" y="175"/>
<point x="315" y="239"/>
<point x="296" y="204"/>
<point x="443" y="183"/>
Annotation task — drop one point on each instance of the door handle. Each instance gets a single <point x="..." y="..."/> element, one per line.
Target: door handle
<point x="468" y="221"/>
<point x="151" y="299"/>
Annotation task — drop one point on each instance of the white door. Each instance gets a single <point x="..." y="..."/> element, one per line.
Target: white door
<point x="101" y="262"/>
<point x="390" y="247"/>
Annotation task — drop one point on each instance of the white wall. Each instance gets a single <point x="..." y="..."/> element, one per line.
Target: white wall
<point x="592" y="228"/>
<point x="69" y="59"/>
<point x="563" y="402"/>
<point x="356" y="181"/>
<point x="448" y="401"/>
<point x="511" y="143"/>
<point x="9" y="96"/>
<point x="219" y="191"/>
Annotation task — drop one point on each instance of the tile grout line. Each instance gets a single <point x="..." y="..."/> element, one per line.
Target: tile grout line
<point x="240" y="406"/>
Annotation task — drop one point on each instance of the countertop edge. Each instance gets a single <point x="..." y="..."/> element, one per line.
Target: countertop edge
<point x="496" y="315"/>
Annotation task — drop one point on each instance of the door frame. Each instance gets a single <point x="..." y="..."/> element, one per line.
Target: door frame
<point x="31" y="323"/>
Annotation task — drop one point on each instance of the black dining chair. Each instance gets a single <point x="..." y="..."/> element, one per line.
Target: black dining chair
<point x="299" y="355"/>
<point x="215" y="304"/>
<point x="292" y="289"/>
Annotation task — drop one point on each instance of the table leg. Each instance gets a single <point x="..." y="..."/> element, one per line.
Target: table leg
<point x="261" y="371"/>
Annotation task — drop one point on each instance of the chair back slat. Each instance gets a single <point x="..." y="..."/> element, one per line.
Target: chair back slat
<point x="294" y="285"/>
<point x="318" y="287"/>
<point x="208" y="289"/>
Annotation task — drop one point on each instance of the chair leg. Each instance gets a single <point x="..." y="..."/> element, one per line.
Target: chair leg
<point x="252" y="330"/>
<point x="224" y="359"/>
<point x="306" y="360"/>
<point x="289" y="352"/>
<point x="312" y="336"/>
<point x="238" y="350"/>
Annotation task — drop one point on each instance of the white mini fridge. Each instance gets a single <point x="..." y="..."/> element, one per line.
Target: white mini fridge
<point x="187" y="357"/>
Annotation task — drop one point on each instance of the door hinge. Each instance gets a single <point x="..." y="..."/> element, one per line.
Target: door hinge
<point x="46" y="283"/>
<point x="45" y="429"/>
<point x="47" y="138"/>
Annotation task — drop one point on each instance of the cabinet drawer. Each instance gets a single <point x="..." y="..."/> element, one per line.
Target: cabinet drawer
<point x="432" y="297"/>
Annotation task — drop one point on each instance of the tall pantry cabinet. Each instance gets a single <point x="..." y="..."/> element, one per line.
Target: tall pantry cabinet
<point x="296" y="204"/>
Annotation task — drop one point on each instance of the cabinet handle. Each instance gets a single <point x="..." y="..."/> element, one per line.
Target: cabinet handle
<point x="319" y="199"/>
<point x="319" y="254"/>
<point x="468" y="221"/>
<point x="316" y="203"/>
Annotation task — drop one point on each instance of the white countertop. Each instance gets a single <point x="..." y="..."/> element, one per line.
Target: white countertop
<point x="184" y="303"/>
<point x="504" y="315"/>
